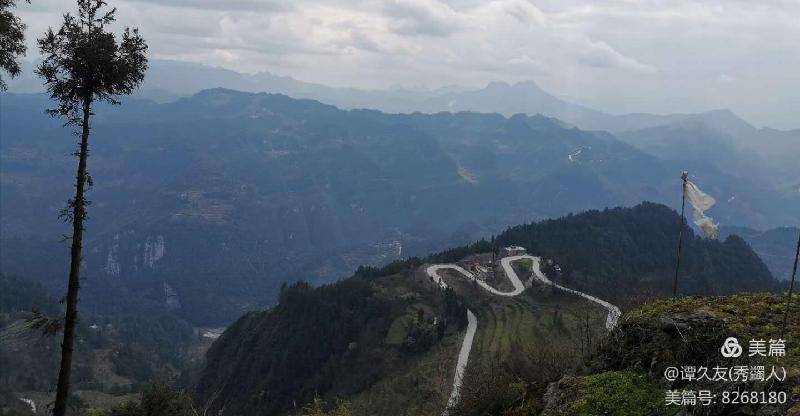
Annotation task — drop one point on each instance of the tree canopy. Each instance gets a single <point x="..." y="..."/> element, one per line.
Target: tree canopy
<point x="12" y="40"/>
<point x="83" y="62"/>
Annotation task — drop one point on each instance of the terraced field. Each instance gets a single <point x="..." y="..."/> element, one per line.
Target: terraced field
<point x="533" y="319"/>
<point x="519" y="325"/>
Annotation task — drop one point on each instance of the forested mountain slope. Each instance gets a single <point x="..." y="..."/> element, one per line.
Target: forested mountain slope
<point x="205" y="206"/>
<point x="335" y="340"/>
<point x="115" y="355"/>
<point x="331" y="331"/>
<point x="634" y="248"/>
<point x="774" y="246"/>
<point x="220" y="198"/>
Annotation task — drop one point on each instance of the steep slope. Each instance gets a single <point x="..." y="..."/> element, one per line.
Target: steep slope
<point x="344" y="325"/>
<point x="114" y="357"/>
<point x="600" y="251"/>
<point x="734" y="158"/>
<point x="773" y="246"/>
<point x="335" y="340"/>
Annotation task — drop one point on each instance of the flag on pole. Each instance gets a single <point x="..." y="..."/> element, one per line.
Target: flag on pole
<point x="702" y="202"/>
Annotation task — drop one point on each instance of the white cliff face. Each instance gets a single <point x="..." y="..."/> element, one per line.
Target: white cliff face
<point x="144" y="256"/>
<point x="113" y="267"/>
<point x="154" y="250"/>
<point x="30" y="403"/>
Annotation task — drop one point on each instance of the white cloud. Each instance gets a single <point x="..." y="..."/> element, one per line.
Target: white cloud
<point x="422" y="17"/>
<point x="618" y="55"/>
<point x="601" y="55"/>
<point x="725" y="79"/>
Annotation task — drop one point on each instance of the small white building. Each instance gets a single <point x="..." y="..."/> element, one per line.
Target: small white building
<point x="514" y="251"/>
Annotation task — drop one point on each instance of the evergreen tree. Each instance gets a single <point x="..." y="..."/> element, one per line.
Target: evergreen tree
<point x="157" y="399"/>
<point x="84" y="64"/>
<point x="12" y="40"/>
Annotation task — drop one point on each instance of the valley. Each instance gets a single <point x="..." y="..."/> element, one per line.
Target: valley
<point x="238" y="193"/>
<point x="399" y="208"/>
<point x="391" y="333"/>
<point x="526" y="309"/>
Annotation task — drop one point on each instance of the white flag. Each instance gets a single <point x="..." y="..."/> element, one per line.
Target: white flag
<point x="701" y="202"/>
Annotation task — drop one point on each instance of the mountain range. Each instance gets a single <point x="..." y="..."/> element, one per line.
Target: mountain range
<point x="768" y="154"/>
<point x="235" y="205"/>
<point x="219" y="198"/>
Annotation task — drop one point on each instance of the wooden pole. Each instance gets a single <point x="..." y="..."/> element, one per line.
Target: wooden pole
<point x="791" y="288"/>
<point x="684" y="178"/>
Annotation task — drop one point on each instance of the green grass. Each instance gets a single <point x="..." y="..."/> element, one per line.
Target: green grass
<point x="528" y="320"/>
<point x="398" y="331"/>
<point x="527" y="263"/>
<point x="746" y="316"/>
<point x="416" y="385"/>
<point x="617" y="393"/>
<point x="103" y="401"/>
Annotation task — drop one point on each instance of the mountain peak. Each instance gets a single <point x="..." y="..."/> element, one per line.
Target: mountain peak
<point x="726" y="121"/>
<point x="494" y="85"/>
<point x="522" y="85"/>
<point x="530" y="84"/>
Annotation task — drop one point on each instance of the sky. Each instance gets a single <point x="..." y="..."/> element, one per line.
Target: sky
<point x="657" y="56"/>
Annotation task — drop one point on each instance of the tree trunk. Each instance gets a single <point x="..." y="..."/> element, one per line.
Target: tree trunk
<point x="71" y="317"/>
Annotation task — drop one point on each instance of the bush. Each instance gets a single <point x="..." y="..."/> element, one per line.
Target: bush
<point x="157" y="399"/>
<point x="317" y="408"/>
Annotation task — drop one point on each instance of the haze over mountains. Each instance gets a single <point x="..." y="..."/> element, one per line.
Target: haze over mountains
<point x="765" y="153"/>
<point x="273" y="189"/>
<point x="424" y="208"/>
<point x="219" y="198"/>
<point x="207" y="204"/>
<point x="251" y="190"/>
<point x="168" y="80"/>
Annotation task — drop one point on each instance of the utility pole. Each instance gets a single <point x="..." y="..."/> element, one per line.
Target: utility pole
<point x="684" y="178"/>
<point x="791" y="288"/>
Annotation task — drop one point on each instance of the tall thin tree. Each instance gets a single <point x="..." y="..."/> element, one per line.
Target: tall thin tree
<point x="84" y="64"/>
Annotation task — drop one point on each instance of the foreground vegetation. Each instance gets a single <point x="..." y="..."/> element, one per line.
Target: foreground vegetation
<point x="625" y="376"/>
<point x="116" y="356"/>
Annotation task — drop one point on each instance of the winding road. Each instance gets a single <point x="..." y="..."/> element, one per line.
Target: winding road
<point x="472" y="321"/>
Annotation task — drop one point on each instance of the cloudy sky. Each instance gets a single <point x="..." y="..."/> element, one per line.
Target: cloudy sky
<point x="618" y="56"/>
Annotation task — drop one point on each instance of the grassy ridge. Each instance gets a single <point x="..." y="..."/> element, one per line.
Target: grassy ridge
<point x="665" y="333"/>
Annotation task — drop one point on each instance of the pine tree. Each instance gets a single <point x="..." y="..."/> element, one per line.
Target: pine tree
<point x="84" y="64"/>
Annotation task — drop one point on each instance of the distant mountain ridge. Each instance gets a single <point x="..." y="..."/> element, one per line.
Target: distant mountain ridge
<point x="224" y="196"/>
<point x="775" y="246"/>
<point x="219" y="198"/>
<point x="168" y="80"/>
